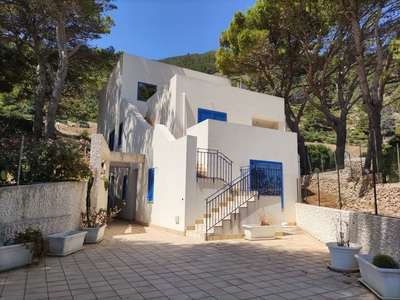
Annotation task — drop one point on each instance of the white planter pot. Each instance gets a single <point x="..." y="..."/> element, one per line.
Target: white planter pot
<point x="94" y="234"/>
<point x="14" y="256"/>
<point x="65" y="243"/>
<point x="342" y="258"/>
<point x="258" y="232"/>
<point x="385" y="283"/>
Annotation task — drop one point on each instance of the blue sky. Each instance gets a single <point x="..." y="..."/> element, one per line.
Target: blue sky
<point x="157" y="29"/>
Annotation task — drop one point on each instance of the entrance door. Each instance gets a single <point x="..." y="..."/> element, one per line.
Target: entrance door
<point x="266" y="177"/>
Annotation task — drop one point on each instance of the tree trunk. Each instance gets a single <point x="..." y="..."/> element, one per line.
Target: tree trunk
<point x="39" y="103"/>
<point x="302" y="150"/>
<point x="63" y="54"/>
<point x="372" y="99"/>
<point x="301" y="146"/>
<point x="376" y="138"/>
<point x="50" y="131"/>
<point x="341" y="136"/>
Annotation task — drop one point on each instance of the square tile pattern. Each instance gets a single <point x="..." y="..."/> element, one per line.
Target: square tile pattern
<point x="138" y="262"/>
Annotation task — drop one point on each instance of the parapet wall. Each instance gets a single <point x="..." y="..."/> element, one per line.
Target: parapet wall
<point x="376" y="234"/>
<point x="51" y="207"/>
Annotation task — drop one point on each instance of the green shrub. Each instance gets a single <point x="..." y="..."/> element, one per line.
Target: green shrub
<point x="384" y="261"/>
<point x="44" y="161"/>
<point x="85" y="134"/>
<point x="40" y="246"/>
<point x="321" y="157"/>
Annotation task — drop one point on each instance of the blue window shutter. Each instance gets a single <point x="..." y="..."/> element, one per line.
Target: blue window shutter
<point x="204" y="114"/>
<point x="220" y="116"/>
<point x="111" y="139"/>
<point x="124" y="184"/>
<point x="120" y="134"/>
<point x="150" y="185"/>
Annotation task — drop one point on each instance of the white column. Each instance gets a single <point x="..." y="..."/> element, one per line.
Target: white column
<point x="184" y="125"/>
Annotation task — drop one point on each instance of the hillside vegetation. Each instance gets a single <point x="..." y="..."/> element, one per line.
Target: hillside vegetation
<point x="198" y="62"/>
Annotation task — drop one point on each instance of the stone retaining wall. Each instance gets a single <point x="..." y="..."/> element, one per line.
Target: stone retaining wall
<point x="51" y="207"/>
<point x="376" y="234"/>
<point x="357" y="191"/>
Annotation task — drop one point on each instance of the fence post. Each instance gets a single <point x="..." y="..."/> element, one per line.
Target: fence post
<point x="398" y="161"/>
<point x="20" y="159"/>
<point x="338" y="178"/>
<point x="319" y="196"/>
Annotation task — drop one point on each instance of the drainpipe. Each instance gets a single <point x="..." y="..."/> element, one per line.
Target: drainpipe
<point x="184" y="114"/>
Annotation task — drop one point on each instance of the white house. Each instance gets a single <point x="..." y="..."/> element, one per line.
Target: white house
<point x="199" y="136"/>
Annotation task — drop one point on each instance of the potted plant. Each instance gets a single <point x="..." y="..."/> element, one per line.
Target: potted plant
<point x="27" y="247"/>
<point x="342" y="251"/>
<point x="65" y="243"/>
<point x="264" y="230"/>
<point x="381" y="274"/>
<point x="95" y="222"/>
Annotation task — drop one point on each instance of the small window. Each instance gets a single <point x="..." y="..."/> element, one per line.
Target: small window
<point x="204" y="114"/>
<point x="120" y="135"/>
<point x="145" y="91"/>
<point x="150" y="186"/>
<point x="111" y="140"/>
<point x="124" y="185"/>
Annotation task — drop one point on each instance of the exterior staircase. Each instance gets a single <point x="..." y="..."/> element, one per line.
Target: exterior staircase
<point x="223" y="208"/>
<point x="220" y="231"/>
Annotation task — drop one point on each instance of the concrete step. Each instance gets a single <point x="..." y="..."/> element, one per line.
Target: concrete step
<point x="199" y="235"/>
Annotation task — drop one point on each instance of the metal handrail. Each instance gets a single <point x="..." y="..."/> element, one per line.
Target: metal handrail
<point x="253" y="181"/>
<point x="213" y="164"/>
<point x="227" y="200"/>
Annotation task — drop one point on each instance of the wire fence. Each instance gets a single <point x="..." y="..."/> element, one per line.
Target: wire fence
<point x="350" y="186"/>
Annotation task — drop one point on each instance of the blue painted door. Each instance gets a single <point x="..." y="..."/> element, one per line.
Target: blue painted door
<point x="150" y="185"/>
<point x="266" y="177"/>
<point x="111" y="139"/>
<point x="204" y="114"/>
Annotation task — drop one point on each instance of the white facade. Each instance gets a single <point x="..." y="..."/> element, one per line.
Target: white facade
<point x="166" y="130"/>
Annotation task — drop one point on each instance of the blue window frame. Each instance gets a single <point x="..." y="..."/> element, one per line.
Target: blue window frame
<point x="266" y="177"/>
<point x="111" y="140"/>
<point x="145" y="91"/>
<point x="150" y="185"/>
<point x="120" y="134"/>
<point x="124" y="186"/>
<point x="204" y="114"/>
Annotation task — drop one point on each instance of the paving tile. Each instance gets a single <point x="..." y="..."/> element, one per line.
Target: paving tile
<point x="243" y="295"/>
<point x="136" y="262"/>
<point x="152" y="294"/>
<point x="40" y="296"/>
<point x="64" y="293"/>
<point x="290" y="295"/>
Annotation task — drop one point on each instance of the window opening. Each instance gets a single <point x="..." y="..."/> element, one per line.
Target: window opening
<point x="145" y="91"/>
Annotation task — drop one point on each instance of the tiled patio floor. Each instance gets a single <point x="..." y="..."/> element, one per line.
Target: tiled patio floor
<point x="137" y="262"/>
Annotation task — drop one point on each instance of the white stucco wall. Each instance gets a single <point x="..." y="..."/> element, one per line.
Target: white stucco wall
<point x="137" y="69"/>
<point x="109" y="102"/>
<point x="176" y="104"/>
<point x="239" y="104"/>
<point x="51" y="207"/>
<point x="180" y="92"/>
<point x="163" y="108"/>
<point x="241" y="143"/>
<point x="174" y="163"/>
<point x="376" y="234"/>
